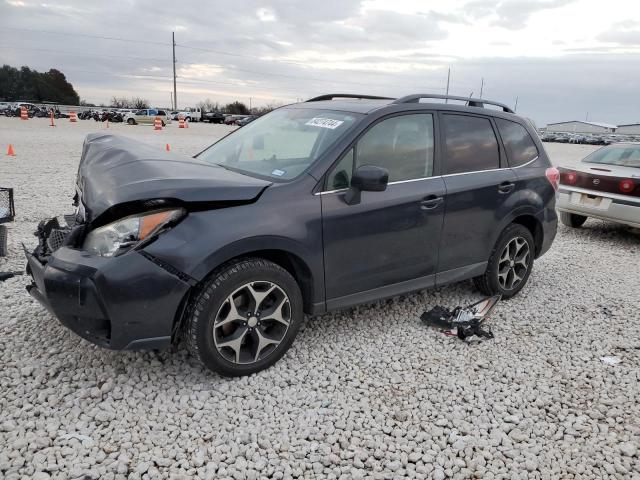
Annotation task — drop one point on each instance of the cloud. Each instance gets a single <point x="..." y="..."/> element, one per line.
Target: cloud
<point x="288" y="49"/>
<point x="510" y="14"/>
<point x="626" y="33"/>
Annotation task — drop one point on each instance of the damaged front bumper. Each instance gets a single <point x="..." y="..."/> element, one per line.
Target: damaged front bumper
<point x="125" y="302"/>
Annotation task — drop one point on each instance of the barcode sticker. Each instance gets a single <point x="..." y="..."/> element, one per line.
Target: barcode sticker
<point x="324" y="123"/>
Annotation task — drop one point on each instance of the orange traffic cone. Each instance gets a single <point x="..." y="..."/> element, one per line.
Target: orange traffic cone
<point x="107" y="122"/>
<point x="157" y="124"/>
<point x="181" y="121"/>
<point x="167" y="147"/>
<point x="73" y="117"/>
<point x="23" y="113"/>
<point x="52" y="123"/>
<point x="10" y="151"/>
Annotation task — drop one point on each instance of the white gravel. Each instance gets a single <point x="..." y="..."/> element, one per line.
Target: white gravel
<point x="365" y="393"/>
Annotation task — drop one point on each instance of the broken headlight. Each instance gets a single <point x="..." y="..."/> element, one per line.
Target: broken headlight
<point x="118" y="237"/>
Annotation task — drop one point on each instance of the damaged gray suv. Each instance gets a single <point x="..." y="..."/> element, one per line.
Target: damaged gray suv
<point x="316" y="206"/>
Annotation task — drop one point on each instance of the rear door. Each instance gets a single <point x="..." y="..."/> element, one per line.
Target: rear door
<point x="479" y="185"/>
<point x="387" y="243"/>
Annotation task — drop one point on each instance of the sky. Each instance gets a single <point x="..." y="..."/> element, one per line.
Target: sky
<point x="561" y="59"/>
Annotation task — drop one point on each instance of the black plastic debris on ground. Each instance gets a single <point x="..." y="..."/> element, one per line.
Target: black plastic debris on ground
<point x="464" y="322"/>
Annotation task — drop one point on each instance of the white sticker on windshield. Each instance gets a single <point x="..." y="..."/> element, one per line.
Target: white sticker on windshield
<point x="278" y="173"/>
<point x="324" y="123"/>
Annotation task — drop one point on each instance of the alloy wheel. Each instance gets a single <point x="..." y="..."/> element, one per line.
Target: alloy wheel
<point x="252" y="322"/>
<point x="514" y="263"/>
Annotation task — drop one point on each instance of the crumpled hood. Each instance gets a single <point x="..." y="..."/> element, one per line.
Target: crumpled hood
<point x="115" y="170"/>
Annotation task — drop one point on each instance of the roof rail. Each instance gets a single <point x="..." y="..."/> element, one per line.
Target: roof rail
<point x="331" y="96"/>
<point x="472" y="102"/>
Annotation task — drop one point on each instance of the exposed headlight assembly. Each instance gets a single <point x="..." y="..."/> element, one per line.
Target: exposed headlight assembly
<point x="119" y="237"/>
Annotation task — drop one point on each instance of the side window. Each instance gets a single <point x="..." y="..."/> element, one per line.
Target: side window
<point x="470" y="144"/>
<point x="340" y="176"/>
<point x="520" y="146"/>
<point x="403" y="145"/>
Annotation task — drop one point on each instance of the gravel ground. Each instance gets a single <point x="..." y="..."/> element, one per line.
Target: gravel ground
<point x="364" y="393"/>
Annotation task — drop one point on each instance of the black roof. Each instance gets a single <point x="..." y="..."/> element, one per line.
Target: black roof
<point x="368" y="103"/>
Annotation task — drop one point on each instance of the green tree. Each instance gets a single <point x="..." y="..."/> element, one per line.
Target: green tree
<point x="30" y="85"/>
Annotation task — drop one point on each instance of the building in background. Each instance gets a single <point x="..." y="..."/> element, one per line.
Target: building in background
<point x="577" y="126"/>
<point x="629" y="129"/>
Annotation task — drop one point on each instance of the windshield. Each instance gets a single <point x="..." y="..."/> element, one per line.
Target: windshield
<point x="622" y="155"/>
<point x="281" y="144"/>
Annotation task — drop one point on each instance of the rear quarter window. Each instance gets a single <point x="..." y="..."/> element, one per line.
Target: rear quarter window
<point x="520" y="146"/>
<point x="470" y="144"/>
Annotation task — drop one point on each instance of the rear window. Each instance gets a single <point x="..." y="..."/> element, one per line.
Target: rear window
<point x="520" y="146"/>
<point x="621" y="155"/>
<point x="470" y="144"/>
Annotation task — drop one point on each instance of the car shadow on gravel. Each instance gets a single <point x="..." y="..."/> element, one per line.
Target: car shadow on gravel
<point x="49" y="346"/>
<point x="603" y="231"/>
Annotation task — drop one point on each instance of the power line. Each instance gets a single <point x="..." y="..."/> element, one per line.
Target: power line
<point x="80" y="54"/>
<point x="74" y="34"/>
<point x="218" y="52"/>
<point x="228" y="67"/>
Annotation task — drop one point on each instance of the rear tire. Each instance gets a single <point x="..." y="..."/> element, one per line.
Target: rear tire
<point x="572" y="220"/>
<point x="131" y="121"/>
<point x="245" y="318"/>
<point x="510" y="263"/>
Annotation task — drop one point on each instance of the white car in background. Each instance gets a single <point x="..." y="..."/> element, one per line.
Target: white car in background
<point x="147" y="116"/>
<point x="604" y="185"/>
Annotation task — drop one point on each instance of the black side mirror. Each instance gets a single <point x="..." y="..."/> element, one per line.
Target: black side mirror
<point x="367" y="178"/>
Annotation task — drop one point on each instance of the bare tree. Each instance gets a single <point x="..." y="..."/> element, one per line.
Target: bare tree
<point x="266" y="108"/>
<point x="209" y="105"/>
<point x="138" y="102"/>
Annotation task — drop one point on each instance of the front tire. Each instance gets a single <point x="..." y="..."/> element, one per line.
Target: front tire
<point x="245" y="318"/>
<point x="510" y="263"/>
<point x="131" y="121"/>
<point x="572" y="220"/>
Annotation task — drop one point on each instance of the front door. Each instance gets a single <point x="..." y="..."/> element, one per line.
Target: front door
<point x="387" y="243"/>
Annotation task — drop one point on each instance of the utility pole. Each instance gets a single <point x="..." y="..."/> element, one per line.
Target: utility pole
<point x="515" y="108"/>
<point x="481" y="86"/>
<point x="448" y="78"/>
<point x="249" y="104"/>
<point x="175" y="93"/>
<point x="171" y="93"/>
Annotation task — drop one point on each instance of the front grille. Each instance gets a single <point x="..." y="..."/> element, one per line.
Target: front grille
<point x="51" y="236"/>
<point x="56" y="239"/>
<point x="7" y="210"/>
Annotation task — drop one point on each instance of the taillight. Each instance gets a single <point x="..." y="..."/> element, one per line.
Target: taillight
<point x="627" y="185"/>
<point x="553" y="175"/>
<point x="569" y="178"/>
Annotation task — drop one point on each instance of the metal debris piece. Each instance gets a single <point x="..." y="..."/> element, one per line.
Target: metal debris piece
<point x="464" y="322"/>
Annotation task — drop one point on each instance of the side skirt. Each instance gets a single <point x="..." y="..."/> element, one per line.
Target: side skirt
<point x="388" y="291"/>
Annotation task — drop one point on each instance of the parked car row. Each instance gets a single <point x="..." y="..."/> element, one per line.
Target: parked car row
<point x="15" y="110"/>
<point x="130" y="116"/>
<point x="588" y="139"/>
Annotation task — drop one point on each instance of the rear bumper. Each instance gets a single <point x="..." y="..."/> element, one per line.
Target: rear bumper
<point x="615" y="208"/>
<point x="126" y="302"/>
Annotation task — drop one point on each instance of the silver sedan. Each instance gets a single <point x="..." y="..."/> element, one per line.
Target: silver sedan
<point x="605" y="185"/>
